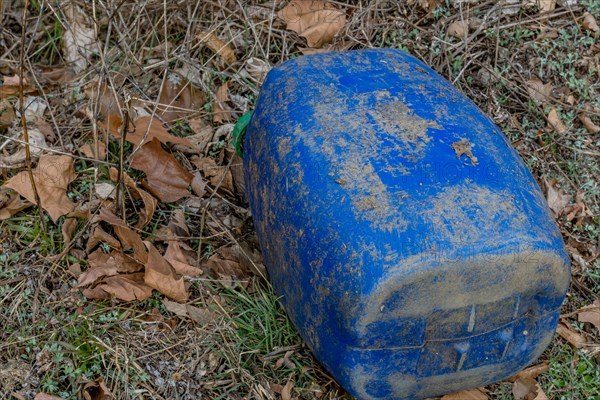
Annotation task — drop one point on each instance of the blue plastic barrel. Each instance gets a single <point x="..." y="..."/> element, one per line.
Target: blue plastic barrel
<point x="410" y="245"/>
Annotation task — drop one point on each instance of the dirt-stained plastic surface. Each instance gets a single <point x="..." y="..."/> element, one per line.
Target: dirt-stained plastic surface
<point x="411" y="246"/>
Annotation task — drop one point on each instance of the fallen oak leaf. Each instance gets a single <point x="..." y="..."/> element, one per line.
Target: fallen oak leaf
<point x="165" y="177"/>
<point x="221" y="48"/>
<point x="129" y="239"/>
<point x="473" y="394"/>
<point x="201" y="316"/>
<point x="176" y="257"/>
<point x="11" y="203"/>
<point x="178" y="98"/>
<point x="531" y="372"/>
<point x="589" y="22"/>
<point x="160" y="275"/>
<point x="574" y="338"/>
<point x="557" y="198"/>
<point x="52" y="177"/>
<point x="97" y="390"/>
<point x="458" y="29"/>
<point x="539" y="90"/>
<point x="147" y="212"/>
<point x="555" y="122"/>
<point x="44" y="396"/>
<point x="101" y="265"/>
<point x="315" y="20"/>
<point x="126" y="287"/>
<point x="145" y="129"/>
<point x="221" y="110"/>
<point x="590" y="314"/>
<point x="528" y="389"/>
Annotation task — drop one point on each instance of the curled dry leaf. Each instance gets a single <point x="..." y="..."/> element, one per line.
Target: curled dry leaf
<point x="37" y="144"/>
<point x="473" y="394"/>
<point x="165" y="177"/>
<point x="589" y="22"/>
<point x="201" y="316"/>
<point x="11" y="203"/>
<point x="427" y="5"/>
<point x="98" y="236"/>
<point x="458" y="29"/>
<point x="256" y="70"/>
<point x="145" y="129"/>
<point x="126" y="287"/>
<point x="52" y="177"/>
<point x="97" y="390"/>
<point x="211" y="41"/>
<point x="176" y="256"/>
<point x="556" y="197"/>
<point x="586" y="120"/>
<point x="566" y="332"/>
<point x="528" y="389"/>
<point x="590" y="314"/>
<point x="7" y="114"/>
<point x="221" y="110"/>
<point x="44" y="396"/>
<point x="129" y="240"/>
<point x="101" y="265"/>
<point x="178" y="98"/>
<point x="531" y="372"/>
<point x="539" y="90"/>
<point x="225" y="262"/>
<point x="93" y="152"/>
<point x="219" y="176"/>
<point x="546" y="5"/>
<point x="79" y="38"/>
<point x="286" y="392"/>
<point x="315" y="20"/>
<point x="161" y="276"/>
<point x="147" y="212"/>
<point x="555" y="122"/>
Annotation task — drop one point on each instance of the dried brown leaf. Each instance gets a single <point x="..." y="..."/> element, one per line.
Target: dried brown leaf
<point x="286" y="392"/>
<point x="221" y="110"/>
<point x="126" y="287"/>
<point x="52" y="177"/>
<point x="79" y="37"/>
<point x="68" y="228"/>
<point x="587" y="122"/>
<point x="44" y="396"/>
<point x="567" y="333"/>
<point x="546" y="5"/>
<point x="539" y="90"/>
<point x="90" y="151"/>
<point x="557" y="198"/>
<point x="589" y="22"/>
<point x="11" y="203"/>
<point x="98" y="236"/>
<point x="555" y="122"/>
<point x="218" y="46"/>
<point x="201" y="316"/>
<point x="7" y="114"/>
<point x="101" y="265"/>
<point x="590" y="314"/>
<point x="528" y="389"/>
<point x="458" y="29"/>
<point x="165" y="177"/>
<point x="178" y="98"/>
<point x="198" y="185"/>
<point x="219" y="176"/>
<point x="473" y="394"/>
<point x="129" y="239"/>
<point x="145" y="213"/>
<point x="146" y="129"/>
<point x="161" y="276"/>
<point x="316" y="20"/>
<point x="225" y="261"/>
<point x="97" y="390"/>
<point x="531" y="372"/>
<point x="179" y="261"/>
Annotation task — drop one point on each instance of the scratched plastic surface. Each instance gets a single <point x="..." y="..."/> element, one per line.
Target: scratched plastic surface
<point x="411" y="246"/>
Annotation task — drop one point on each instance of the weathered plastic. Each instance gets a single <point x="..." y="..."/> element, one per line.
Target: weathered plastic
<point x="411" y="246"/>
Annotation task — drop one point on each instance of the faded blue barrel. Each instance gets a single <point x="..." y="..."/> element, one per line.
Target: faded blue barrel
<point x="410" y="245"/>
